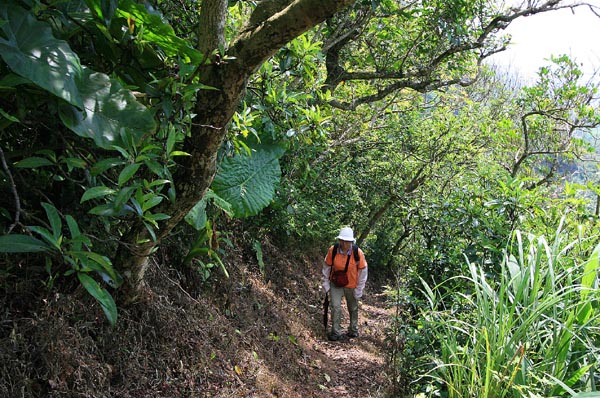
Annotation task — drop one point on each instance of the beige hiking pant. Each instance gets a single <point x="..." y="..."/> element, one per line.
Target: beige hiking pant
<point x="336" y="309"/>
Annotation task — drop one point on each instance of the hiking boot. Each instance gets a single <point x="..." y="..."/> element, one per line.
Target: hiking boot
<point x="335" y="337"/>
<point x="352" y="334"/>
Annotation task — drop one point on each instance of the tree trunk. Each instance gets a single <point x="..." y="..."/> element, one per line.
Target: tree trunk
<point x="374" y="217"/>
<point x="214" y="110"/>
<point x="193" y="176"/>
<point x="398" y="245"/>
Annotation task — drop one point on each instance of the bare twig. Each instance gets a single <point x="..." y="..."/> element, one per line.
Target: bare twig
<point x="13" y="188"/>
<point x="157" y="265"/>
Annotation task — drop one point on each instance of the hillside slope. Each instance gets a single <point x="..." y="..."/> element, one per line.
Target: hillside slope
<point x="251" y="335"/>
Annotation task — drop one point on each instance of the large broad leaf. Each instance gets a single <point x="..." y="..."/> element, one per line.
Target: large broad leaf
<point x="30" y="50"/>
<point x="111" y="113"/>
<point x="96" y="106"/>
<point x="248" y="182"/>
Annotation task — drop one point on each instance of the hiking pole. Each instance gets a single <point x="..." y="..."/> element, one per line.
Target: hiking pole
<point x="326" y="311"/>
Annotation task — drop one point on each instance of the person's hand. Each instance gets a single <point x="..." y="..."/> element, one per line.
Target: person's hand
<point x="326" y="287"/>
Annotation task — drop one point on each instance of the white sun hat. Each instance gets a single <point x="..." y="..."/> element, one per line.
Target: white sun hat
<point x="346" y="234"/>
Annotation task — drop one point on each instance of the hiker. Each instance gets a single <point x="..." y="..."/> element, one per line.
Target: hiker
<point x="344" y="258"/>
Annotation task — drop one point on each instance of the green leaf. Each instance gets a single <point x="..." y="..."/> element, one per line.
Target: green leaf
<point x="172" y="194"/>
<point x="154" y="167"/>
<point x="157" y="182"/>
<point x="47" y="235"/>
<point x="171" y="139"/>
<point x="104" y="298"/>
<point x="96" y="192"/>
<point x="105" y="164"/>
<point x="54" y="218"/>
<point x="96" y="105"/>
<point x="259" y="255"/>
<point x="112" y="115"/>
<point x="122" y="197"/>
<point x="76" y="238"/>
<point x="33" y="162"/>
<point x="8" y="117"/>
<point x="150" y="203"/>
<point x="150" y="229"/>
<point x="248" y="182"/>
<point x="22" y="244"/>
<point x="29" y="49"/>
<point x="220" y="203"/>
<point x="589" y="272"/>
<point x="73" y="163"/>
<point x="136" y="206"/>
<point x="106" y="267"/>
<point x="128" y="172"/>
<point x="157" y="217"/>
<point x="105" y="210"/>
<point x="197" y="216"/>
<point x="12" y="80"/>
<point x="105" y="9"/>
<point x="584" y="312"/>
<point x="216" y="257"/>
<point x="180" y="153"/>
<point x="73" y="227"/>
<point x="157" y="32"/>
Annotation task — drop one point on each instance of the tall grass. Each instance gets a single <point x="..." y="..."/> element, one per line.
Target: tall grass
<point x="532" y="331"/>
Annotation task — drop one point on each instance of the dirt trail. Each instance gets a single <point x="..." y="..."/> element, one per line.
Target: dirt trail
<point x="355" y="367"/>
<point x="257" y="334"/>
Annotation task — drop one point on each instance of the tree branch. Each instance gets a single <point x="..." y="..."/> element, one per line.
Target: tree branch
<point x="256" y="44"/>
<point x="424" y="77"/>
<point x="13" y="189"/>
